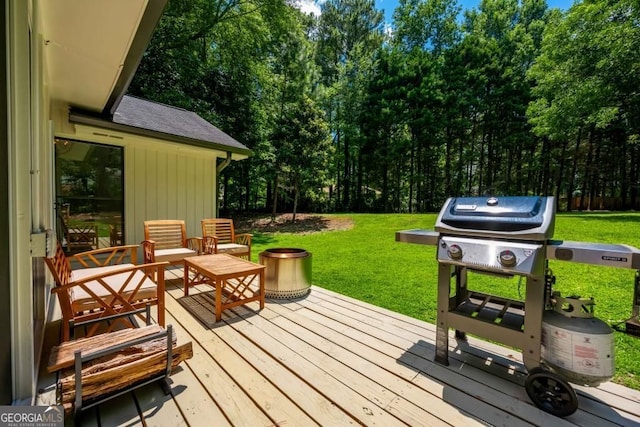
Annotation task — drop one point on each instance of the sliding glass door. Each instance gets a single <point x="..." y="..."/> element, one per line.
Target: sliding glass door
<point x="89" y="195"/>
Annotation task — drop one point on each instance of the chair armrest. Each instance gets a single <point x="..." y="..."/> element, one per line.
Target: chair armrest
<point x="148" y="251"/>
<point x="195" y="244"/>
<point x="209" y="245"/>
<point x="244" y="239"/>
<point x="107" y="256"/>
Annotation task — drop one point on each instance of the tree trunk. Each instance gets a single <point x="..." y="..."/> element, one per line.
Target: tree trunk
<point x="296" y="193"/>
<point x="574" y="168"/>
<point x="585" y="179"/>
<point x="274" y="210"/>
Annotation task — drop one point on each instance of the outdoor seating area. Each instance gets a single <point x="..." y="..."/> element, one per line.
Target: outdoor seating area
<point x="234" y="356"/>
<point x="331" y="360"/>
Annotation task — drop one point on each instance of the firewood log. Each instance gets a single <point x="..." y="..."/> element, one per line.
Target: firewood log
<point x="99" y="380"/>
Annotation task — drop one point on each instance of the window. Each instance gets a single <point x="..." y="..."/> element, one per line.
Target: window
<point x="89" y="195"/>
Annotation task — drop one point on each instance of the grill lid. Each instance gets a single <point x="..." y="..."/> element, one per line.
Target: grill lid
<point x="522" y="217"/>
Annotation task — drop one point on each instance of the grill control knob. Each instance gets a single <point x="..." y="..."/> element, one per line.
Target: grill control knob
<point x="507" y="258"/>
<point x="455" y="252"/>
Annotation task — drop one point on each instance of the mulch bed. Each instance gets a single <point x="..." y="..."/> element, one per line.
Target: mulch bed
<point x="283" y="223"/>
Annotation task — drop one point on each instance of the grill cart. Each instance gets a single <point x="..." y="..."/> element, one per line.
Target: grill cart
<point x="560" y="339"/>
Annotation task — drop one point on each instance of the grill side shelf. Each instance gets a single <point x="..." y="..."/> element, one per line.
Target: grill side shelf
<point x="621" y="256"/>
<point x="418" y="236"/>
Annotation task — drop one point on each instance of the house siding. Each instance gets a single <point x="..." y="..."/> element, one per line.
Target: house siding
<point x="5" y="307"/>
<point x="27" y="199"/>
<point x="163" y="183"/>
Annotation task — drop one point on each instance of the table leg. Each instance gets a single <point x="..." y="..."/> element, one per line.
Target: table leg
<point x="261" y="289"/>
<point x="186" y="279"/>
<point x="219" y="284"/>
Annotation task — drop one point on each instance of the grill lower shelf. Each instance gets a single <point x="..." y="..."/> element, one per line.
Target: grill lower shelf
<point x="492" y="309"/>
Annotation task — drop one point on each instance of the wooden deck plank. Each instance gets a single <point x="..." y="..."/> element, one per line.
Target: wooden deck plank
<point x="475" y="400"/>
<point x="592" y="411"/>
<point x="119" y="411"/>
<point x="309" y="399"/>
<point x="401" y="407"/>
<point x="189" y="396"/>
<point x="223" y="391"/>
<point x="380" y="369"/>
<point x="158" y="409"/>
<point x="361" y="398"/>
<point x="258" y="389"/>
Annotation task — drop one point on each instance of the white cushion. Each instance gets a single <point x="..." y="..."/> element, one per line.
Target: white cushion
<point x="232" y="248"/>
<point x="81" y="300"/>
<point x="173" y="255"/>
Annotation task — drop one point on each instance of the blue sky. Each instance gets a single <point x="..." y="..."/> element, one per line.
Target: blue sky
<point x="390" y="5"/>
<point x="313" y="6"/>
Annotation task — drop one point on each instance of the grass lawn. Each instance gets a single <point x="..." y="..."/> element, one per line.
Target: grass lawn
<point x="365" y="262"/>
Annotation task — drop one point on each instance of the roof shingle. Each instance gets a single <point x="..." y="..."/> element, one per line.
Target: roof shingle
<point x="149" y="115"/>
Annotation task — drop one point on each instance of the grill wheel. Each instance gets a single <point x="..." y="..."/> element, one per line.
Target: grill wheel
<point x="551" y="393"/>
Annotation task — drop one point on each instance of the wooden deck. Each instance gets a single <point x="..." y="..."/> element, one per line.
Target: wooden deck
<point x="331" y="360"/>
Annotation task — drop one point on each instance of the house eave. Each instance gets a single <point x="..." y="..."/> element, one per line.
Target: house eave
<point x="92" y="48"/>
<point x="139" y="45"/>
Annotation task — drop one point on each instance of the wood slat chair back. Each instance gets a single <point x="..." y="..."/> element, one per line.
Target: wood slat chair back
<point x="167" y="234"/>
<point x="219" y="236"/>
<point x="107" y="282"/>
<point x="166" y="240"/>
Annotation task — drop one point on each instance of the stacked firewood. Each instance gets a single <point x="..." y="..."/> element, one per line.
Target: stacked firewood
<point x="116" y="371"/>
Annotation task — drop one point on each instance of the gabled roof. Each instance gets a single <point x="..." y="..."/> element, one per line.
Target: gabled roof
<point x="152" y="119"/>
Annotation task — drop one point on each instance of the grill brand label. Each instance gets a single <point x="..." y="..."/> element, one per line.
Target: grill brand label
<point x="466" y="207"/>
<point x="614" y="258"/>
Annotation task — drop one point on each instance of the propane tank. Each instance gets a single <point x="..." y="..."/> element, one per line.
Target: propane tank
<point x="575" y="344"/>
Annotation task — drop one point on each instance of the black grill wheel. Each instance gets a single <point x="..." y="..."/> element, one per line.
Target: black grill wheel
<point x="551" y="393"/>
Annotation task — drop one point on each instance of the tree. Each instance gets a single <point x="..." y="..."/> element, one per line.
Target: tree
<point x="348" y="34"/>
<point x="587" y="89"/>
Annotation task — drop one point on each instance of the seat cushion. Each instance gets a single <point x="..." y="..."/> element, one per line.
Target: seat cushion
<point x="81" y="300"/>
<point x="232" y="248"/>
<point x="173" y="255"/>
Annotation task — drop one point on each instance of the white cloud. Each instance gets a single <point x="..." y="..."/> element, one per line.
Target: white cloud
<point x="310" y="7"/>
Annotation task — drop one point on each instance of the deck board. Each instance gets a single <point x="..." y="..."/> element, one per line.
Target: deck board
<point x="327" y="359"/>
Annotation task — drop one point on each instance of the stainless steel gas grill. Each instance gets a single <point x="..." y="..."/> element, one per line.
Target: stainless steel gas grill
<point x="512" y="236"/>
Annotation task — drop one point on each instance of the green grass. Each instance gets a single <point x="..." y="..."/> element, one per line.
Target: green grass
<point x="367" y="263"/>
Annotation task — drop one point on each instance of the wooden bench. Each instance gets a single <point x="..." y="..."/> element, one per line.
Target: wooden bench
<point x="95" y="369"/>
<point x="166" y="240"/>
<point x="107" y="282"/>
<point x="219" y="237"/>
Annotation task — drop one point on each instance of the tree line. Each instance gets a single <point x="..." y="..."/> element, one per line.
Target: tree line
<point x="345" y="112"/>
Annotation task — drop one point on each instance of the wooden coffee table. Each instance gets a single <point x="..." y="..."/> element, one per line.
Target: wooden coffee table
<point x="232" y="277"/>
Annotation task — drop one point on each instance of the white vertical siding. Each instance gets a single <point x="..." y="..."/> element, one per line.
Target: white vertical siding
<point x="163" y="183"/>
<point x="20" y="143"/>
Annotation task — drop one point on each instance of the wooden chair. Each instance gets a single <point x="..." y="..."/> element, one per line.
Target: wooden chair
<point x="80" y="236"/>
<point x="116" y="236"/>
<point x="166" y="240"/>
<point x="219" y="237"/>
<point x="106" y="283"/>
